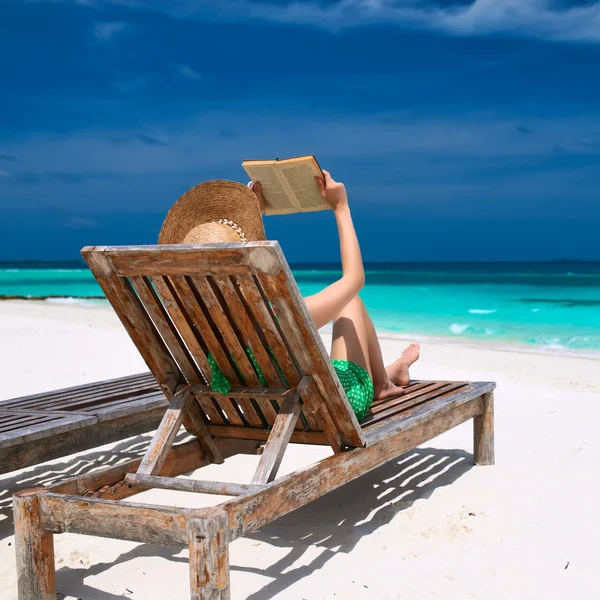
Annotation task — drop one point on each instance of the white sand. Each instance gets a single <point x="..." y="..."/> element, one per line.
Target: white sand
<point x="428" y="524"/>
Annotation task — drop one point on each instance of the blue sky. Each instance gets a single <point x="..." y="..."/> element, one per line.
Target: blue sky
<point x="464" y="130"/>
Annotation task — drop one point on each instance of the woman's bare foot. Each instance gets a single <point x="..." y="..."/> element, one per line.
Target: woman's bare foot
<point x="398" y="371"/>
<point x="388" y="390"/>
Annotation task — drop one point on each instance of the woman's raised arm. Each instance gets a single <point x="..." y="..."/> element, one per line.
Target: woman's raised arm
<point x="328" y="303"/>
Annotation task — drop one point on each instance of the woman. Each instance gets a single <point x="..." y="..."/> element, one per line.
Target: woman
<point x="355" y="350"/>
<point x="226" y="211"/>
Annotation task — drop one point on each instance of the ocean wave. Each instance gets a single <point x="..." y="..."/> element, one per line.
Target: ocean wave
<point x="457" y="328"/>
<point x="482" y="311"/>
<point x="70" y="301"/>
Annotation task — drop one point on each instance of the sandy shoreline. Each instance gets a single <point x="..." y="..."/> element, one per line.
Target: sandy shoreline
<point x="428" y="524"/>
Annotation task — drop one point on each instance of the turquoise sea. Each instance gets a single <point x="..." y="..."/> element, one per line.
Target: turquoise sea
<point x="545" y="306"/>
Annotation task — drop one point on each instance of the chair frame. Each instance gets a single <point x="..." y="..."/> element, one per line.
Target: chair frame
<point x="94" y="504"/>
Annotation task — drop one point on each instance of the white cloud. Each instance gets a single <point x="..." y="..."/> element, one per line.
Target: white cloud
<point x="187" y="72"/>
<point x="534" y="18"/>
<point x="544" y="19"/>
<point x="107" y="30"/>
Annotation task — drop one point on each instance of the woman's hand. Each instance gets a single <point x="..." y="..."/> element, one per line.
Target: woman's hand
<point x="256" y="187"/>
<point x="333" y="191"/>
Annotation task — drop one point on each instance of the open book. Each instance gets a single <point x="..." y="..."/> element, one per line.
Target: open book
<point x="288" y="185"/>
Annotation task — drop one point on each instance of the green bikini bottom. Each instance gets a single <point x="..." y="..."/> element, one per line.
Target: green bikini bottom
<point x="354" y="379"/>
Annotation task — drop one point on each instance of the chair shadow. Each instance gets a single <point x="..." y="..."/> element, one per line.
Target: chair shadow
<point x="335" y="522"/>
<point x="55" y="472"/>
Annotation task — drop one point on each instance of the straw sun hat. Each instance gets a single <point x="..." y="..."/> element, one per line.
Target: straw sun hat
<point x="214" y="211"/>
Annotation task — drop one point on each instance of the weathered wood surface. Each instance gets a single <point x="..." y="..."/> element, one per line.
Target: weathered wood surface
<point x="219" y="488"/>
<point x="209" y="554"/>
<point x="134" y="318"/>
<point x="483" y="432"/>
<point x="193" y="413"/>
<point x="34" y="548"/>
<point x="131" y="521"/>
<point x="43" y="448"/>
<point x="426" y="410"/>
<point x="290" y="492"/>
<point x="130" y="385"/>
<point x="160" y="445"/>
<point x="181" y="303"/>
<point x="277" y="443"/>
<point x="209" y="259"/>
<point x="46" y="426"/>
<point x="250" y="433"/>
<point x="20" y="426"/>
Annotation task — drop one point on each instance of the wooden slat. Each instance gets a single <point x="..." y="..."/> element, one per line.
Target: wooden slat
<point x="177" y="260"/>
<point x="389" y="403"/>
<point x="238" y="315"/>
<point x="142" y="381"/>
<point x="400" y="408"/>
<point x="218" y="488"/>
<point x="24" y="421"/>
<point x="421" y="386"/>
<point x="191" y="302"/>
<point x="234" y="348"/>
<point x="134" y="318"/>
<point x="254" y="433"/>
<point x="244" y="392"/>
<point x="164" y="259"/>
<point x="164" y="326"/>
<point x="232" y="412"/>
<point x="49" y="443"/>
<point x="182" y="323"/>
<point x="224" y="327"/>
<point x="91" y="406"/>
<point x="47" y="428"/>
<point x="278" y="440"/>
<point x="264" y="319"/>
<point x="209" y="408"/>
<point x="424" y="412"/>
<point x="298" y="327"/>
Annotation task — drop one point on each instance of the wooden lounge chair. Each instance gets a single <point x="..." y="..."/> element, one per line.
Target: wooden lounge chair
<point x="180" y="304"/>
<point x="38" y="428"/>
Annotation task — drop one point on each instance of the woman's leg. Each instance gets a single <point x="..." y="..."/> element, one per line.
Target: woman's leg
<point x="397" y="372"/>
<point x="354" y="339"/>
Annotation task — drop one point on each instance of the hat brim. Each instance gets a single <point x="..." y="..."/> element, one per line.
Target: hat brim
<point x="207" y="203"/>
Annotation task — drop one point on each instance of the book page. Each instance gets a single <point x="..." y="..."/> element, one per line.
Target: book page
<point x="300" y="175"/>
<point x="277" y="200"/>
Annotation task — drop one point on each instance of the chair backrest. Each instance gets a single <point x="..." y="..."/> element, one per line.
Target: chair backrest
<point x="185" y="305"/>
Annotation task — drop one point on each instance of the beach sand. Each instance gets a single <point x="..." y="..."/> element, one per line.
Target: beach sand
<point x="427" y="525"/>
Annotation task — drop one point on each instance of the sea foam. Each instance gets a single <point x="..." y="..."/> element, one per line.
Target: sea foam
<point x="482" y="311"/>
<point x="457" y="328"/>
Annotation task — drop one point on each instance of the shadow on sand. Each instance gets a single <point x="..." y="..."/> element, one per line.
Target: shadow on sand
<point x="335" y="522"/>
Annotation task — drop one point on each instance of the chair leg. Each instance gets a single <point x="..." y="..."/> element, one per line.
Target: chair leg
<point x="34" y="547"/>
<point x="209" y="554"/>
<point x="483" y="431"/>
